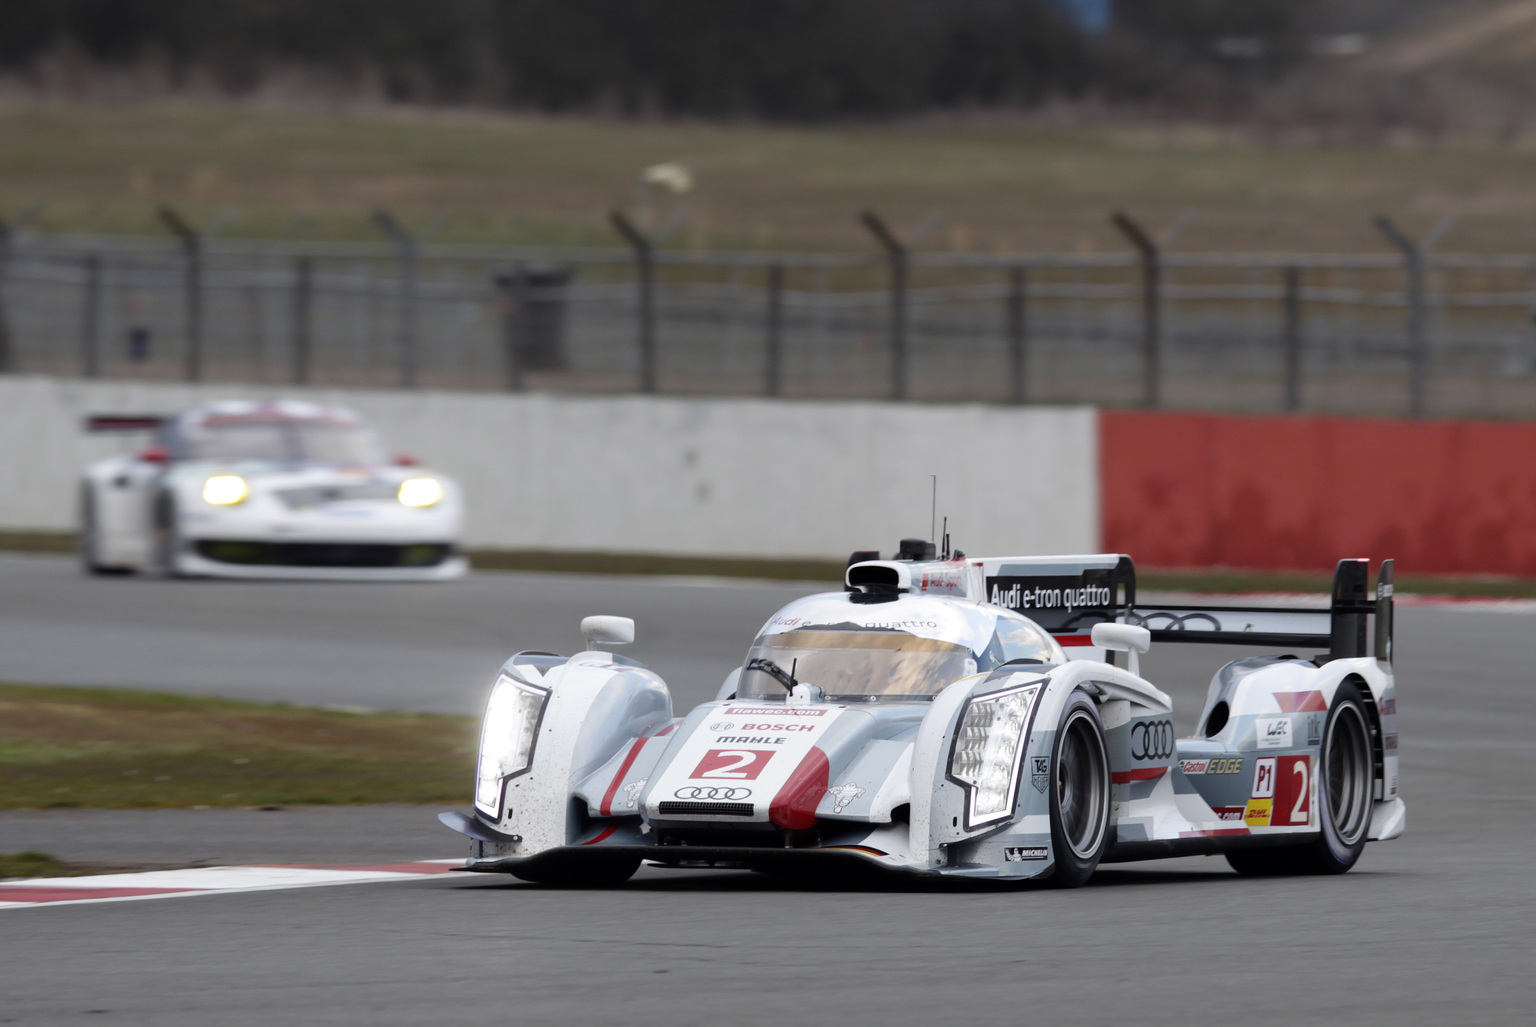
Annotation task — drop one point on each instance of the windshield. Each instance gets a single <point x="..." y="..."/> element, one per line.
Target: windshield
<point x="852" y="664"/>
<point x="282" y="440"/>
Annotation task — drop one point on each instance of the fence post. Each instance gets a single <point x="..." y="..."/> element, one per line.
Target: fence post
<point x="7" y="353"/>
<point x="896" y="252"/>
<point x="1290" y="337"/>
<point x="192" y="249"/>
<point x="303" y="293"/>
<point x="1418" y="349"/>
<point x="645" y="273"/>
<point x="514" y="302"/>
<point x="1151" y="308"/>
<point x="773" y="366"/>
<point x="92" y="309"/>
<point x="1018" y="332"/>
<point x="406" y="244"/>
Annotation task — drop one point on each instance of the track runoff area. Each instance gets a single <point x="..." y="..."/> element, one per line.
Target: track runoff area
<point x="1434" y="927"/>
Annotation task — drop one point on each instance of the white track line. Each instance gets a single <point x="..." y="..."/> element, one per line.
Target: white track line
<point x="172" y="884"/>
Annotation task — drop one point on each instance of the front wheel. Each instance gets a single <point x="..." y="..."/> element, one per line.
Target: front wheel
<point x="1080" y="797"/>
<point x="1345" y="780"/>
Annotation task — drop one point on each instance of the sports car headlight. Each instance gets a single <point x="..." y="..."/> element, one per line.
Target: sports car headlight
<point x="507" y="735"/>
<point x="225" y="489"/>
<point x="420" y="491"/>
<point x="988" y="748"/>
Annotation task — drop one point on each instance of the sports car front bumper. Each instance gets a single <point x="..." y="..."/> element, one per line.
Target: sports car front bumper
<point x="320" y="561"/>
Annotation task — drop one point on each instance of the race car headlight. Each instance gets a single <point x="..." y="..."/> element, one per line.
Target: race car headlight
<point x="988" y="747"/>
<point x="225" y="489"/>
<point x="420" y="491"/>
<point x="506" y="738"/>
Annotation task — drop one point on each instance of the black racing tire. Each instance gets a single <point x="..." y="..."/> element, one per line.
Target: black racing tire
<point x="1345" y="787"/>
<point x="596" y="871"/>
<point x="1079" y="793"/>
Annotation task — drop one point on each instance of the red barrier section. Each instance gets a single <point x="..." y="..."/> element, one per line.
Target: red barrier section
<point x="1207" y="490"/>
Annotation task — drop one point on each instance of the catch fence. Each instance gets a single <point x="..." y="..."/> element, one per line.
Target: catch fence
<point x="1396" y="333"/>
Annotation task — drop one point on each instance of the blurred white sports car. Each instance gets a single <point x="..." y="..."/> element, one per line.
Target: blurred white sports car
<point x="267" y="490"/>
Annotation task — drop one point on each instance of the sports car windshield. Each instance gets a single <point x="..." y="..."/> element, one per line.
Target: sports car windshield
<point x="852" y="664"/>
<point x="283" y="441"/>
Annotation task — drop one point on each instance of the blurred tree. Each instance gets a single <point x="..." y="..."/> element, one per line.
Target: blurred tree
<point x="799" y="59"/>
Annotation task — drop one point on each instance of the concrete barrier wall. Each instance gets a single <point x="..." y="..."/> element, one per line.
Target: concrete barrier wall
<point x="1203" y="490"/>
<point x="647" y="475"/>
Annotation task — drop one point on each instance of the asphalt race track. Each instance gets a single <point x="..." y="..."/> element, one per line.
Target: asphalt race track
<point x="1438" y="927"/>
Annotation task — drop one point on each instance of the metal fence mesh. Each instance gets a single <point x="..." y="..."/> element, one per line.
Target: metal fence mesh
<point x="1217" y="332"/>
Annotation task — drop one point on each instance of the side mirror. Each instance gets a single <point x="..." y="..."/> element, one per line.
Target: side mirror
<point x="156" y="455"/>
<point x="607" y="630"/>
<point x="1123" y="638"/>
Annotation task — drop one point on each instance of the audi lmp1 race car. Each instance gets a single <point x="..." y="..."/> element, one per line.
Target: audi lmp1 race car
<point x="266" y="490"/>
<point x="966" y="718"/>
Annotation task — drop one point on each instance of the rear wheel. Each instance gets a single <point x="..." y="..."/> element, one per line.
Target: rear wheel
<point x="1345" y="779"/>
<point x="597" y="871"/>
<point x="1080" y="796"/>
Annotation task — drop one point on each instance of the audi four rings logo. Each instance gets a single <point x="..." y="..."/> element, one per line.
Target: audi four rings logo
<point x="1152" y="740"/>
<point x="712" y="792"/>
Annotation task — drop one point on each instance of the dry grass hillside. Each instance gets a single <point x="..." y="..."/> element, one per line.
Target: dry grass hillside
<point x="979" y="185"/>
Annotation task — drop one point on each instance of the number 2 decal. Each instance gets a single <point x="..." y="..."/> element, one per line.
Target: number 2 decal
<point x="1300" y="813"/>
<point x="732" y="764"/>
<point x="1293" y="792"/>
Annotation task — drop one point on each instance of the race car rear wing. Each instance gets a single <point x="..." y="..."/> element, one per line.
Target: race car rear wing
<point x="1341" y="628"/>
<point x="1067" y="595"/>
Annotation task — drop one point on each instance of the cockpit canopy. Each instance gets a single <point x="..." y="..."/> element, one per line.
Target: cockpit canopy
<point x="912" y="648"/>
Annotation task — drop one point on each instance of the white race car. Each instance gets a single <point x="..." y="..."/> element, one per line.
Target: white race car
<point x="246" y="489"/>
<point x="961" y="718"/>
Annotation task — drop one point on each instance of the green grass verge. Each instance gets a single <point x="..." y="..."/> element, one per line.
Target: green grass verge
<point x="38" y="541"/>
<point x="30" y="864"/>
<point x="90" y="747"/>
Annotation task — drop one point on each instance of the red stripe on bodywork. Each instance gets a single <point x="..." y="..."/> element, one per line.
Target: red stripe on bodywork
<point x="602" y="836"/>
<point x="667" y="730"/>
<point x="1066" y="640"/>
<point x="10" y="894"/>
<point x="606" y="809"/>
<point x="794" y="808"/>
<point x="1301" y="702"/>
<point x="1121" y="777"/>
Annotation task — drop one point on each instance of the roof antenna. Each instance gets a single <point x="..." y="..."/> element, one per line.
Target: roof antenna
<point x="946" y="540"/>
<point x="933" y="514"/>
